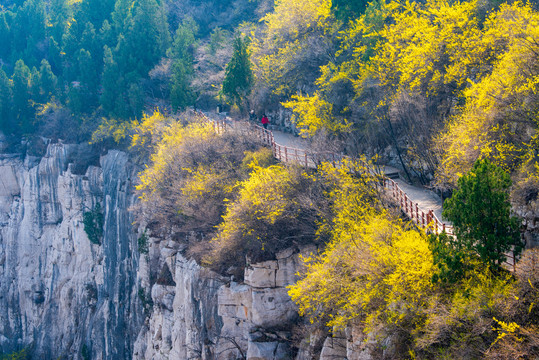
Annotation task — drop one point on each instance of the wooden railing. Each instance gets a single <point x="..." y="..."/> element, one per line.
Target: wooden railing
<point x="425" y="219"/>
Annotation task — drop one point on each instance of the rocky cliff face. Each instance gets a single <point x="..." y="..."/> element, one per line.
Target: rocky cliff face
<point x="198" y="314"/>
<point x="61" y="295"/>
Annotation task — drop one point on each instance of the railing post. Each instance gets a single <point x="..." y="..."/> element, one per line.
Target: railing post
<point x="405" y="204"/>
<point x="286" y="154"/>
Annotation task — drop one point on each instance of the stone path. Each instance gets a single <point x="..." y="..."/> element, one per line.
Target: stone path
<point x="426" y="199"/>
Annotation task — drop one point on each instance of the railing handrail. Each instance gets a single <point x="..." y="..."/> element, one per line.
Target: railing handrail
<point x="426" y="220"/>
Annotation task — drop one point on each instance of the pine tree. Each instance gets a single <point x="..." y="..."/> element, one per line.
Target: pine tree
<point x="110" y="82"/>
<point x="181" y="93"/>
<point x="47" y="81"/>
<point x="21" y="96"/>
<point x="481" y="214"/>
<point x="5" y="36"/>
<point x="5" y="103"/>
<point x="238" y="74"/>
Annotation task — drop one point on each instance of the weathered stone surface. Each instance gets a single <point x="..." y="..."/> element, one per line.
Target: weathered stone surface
<point x="272" y="307"/>
<point x="261" y="275"/>
<point x="334" y="349"/>
<point x="268" y="351"/>
<point x="163" y="296"/>
<point x="59" y="291"/>
<point x="356" y="346"/>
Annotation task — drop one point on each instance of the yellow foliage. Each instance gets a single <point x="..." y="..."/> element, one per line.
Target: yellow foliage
<point x="284" y="45"/>
<point x="292" y="17"/>
<point x="501" y="109"/>
<point x="149" y="130"/>
<point x="118" y="130"/>
<point x="373" y="270"/>
<point x="168" y="150"/>
<point x="505" y="329"/>
<point x="314" y="114"/>
<point x="262" y="197"/>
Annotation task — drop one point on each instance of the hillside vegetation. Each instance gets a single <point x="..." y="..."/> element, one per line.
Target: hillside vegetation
<point x="446" y="90"/>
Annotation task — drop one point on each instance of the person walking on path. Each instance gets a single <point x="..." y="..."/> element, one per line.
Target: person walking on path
<point x="264" y="121"/>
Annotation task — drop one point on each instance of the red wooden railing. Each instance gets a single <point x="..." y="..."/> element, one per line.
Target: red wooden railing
<point x="425" y="219"/>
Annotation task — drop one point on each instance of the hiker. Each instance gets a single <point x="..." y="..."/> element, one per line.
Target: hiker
<point x="252" y="116"/>
<point x="264" y="121"/>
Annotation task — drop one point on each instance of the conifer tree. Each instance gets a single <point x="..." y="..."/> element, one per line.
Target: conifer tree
<point x="47" y="81"/>
<point x="238" y="74"/>
<point x="481" y="213"/>
<point x="5" y="102"/>
<point x="21" y="96"/>
<point x="181" y="93"/>
<point x="110" y="82"/>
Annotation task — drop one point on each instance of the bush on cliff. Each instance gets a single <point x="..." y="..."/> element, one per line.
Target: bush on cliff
<point x="192" y="171"/>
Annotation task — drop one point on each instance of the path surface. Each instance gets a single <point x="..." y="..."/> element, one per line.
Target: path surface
<point x="426" y="199"/>
<point x="289" y="140"/>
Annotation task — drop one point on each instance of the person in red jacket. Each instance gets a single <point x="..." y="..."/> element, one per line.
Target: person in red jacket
<point x="264" y="121"/>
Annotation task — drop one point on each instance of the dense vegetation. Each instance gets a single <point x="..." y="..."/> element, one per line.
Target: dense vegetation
<point x="449" y="90"/>
<point x="65" y="65"/>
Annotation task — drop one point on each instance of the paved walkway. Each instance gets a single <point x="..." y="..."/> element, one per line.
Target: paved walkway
<point x="426" y="199"/>
<point x="289" y="140"/>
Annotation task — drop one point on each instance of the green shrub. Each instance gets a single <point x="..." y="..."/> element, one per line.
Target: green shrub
<point x="93" y="224"/>
<point x="481" y="214"/>
<point x="143" y="243"/>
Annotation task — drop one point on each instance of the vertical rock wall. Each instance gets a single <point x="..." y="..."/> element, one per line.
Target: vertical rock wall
<point x="61" y="295"/>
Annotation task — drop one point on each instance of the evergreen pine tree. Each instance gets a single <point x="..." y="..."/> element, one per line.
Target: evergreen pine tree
<point x="22" y="108"/>
<point x="5" y="103"/>
<point x="47" y="81"/>
<point x="481" y="213"/>
<point x="181" y="93"/>
<point x="238" y="74"/>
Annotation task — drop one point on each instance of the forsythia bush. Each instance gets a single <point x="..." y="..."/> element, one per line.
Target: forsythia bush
<point x="375" y="271"/>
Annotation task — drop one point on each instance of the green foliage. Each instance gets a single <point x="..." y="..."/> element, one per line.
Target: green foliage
<point x="93" y="224"/>
<point x="481" y="214"/>
<point x="18" y="355"/>
<point x="217" y="37"/>
<point x="47" y="82"/>
<point x="5" y="102"/>
<point x="348" y="9"/>
<point x="451" y="257"/>
<point x="143" y="243"/>
<point x="238" y="74"/>
<point x="85" y="353"/>
<point x="181" y="93"/>
<point x="22" y="106"/>
<point x="147" y="302"/>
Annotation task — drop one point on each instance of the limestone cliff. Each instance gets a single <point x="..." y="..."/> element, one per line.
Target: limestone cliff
<point x="60" y="295"/>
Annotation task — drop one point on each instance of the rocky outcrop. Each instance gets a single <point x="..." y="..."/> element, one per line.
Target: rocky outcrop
<point x="206" y="316"/>
<point x="61" y="295"/>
